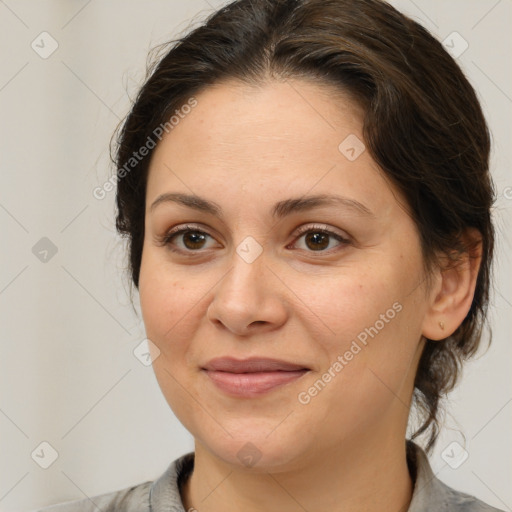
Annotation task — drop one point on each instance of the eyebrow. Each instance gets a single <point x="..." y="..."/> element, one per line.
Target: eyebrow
<point x="281" y="209"/>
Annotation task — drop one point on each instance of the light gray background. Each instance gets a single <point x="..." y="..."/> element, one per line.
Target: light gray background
<point x="68" y="374"/>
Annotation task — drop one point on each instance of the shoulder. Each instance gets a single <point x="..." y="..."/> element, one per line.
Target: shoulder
<point x="461" y="502"/>
<point x="161" y="495"/>
<point x="430" y="493"/>
<point x="135" y="498"/>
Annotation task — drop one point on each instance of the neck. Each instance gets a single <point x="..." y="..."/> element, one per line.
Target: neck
<point x="368" y="477"/>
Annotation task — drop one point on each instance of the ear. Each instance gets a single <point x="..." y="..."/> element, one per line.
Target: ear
<point x="453" y="289"/>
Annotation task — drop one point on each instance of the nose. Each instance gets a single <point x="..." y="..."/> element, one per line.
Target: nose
<point x="249" y="298"/>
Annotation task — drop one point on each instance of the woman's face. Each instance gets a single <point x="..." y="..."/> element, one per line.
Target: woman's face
<point x="297" y="250"/>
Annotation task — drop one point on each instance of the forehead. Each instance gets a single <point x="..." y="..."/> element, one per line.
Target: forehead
<point x="266" y="120"/>
<point x="286" y="134"/>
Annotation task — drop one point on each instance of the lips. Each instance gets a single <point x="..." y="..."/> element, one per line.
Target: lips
<point x="251" y="377"/>
<point x="253" y="365"/>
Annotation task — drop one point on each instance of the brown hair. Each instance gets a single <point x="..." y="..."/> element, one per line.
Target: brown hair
<point x="423" y="125"/>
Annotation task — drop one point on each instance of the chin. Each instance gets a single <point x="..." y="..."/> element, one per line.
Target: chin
<point x="257" y="452"/>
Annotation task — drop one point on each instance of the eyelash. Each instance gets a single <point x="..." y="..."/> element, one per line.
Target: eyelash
<point x="166" y="239"/>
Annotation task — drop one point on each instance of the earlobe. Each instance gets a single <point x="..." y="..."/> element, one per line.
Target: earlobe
<point x="452" y="297"/>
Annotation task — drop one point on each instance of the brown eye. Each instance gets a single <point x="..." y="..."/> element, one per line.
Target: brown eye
<point x="187" y="239"/>
<point x="317" y="241"/>
<point x="193" y="240"/>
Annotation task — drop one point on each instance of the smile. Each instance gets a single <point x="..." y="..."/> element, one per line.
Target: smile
<point x="251" y="377"/>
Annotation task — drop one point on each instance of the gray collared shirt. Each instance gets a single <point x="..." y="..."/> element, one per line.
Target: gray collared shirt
<point x="163" y="495"/>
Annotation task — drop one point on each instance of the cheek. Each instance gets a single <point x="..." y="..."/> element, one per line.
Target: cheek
<point x="351" y="303"/>
<point x="374" y="325"/>
<point x="370" y="362"/>
<point x="168" y="305"/>
<point x="166" y="301"/>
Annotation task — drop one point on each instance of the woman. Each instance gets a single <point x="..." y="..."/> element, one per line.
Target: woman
<point x="305" y="189"/>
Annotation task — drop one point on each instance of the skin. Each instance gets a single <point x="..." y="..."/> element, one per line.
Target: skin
<point x="246" y="148"/>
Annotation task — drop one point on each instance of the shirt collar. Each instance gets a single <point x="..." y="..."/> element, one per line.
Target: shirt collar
<point x="429" y="493"/>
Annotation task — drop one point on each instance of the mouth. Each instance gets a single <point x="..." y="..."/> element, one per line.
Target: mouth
<point x="251" y="377"/>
